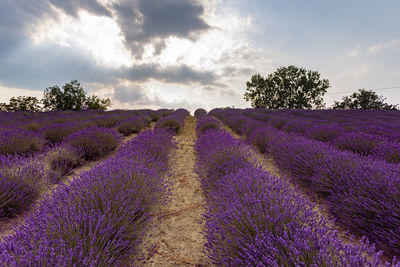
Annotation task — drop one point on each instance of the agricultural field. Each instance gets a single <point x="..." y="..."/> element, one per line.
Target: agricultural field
<point x="229" y="187"/>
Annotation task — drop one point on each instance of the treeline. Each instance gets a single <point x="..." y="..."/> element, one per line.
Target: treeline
<point x="71" y="96"/>
<point x="292" y="87"/>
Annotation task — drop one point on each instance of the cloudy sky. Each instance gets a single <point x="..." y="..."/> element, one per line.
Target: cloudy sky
<point x="184" y="53"/>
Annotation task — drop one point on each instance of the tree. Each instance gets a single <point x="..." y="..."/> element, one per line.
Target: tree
<point x="288" y="87"/>
<point x="363" y="99"/>
<point x="22" y="103"/>
<point x="71" y="97"/>
<point x="94" y="102"/>
<point x="3" y="107"/>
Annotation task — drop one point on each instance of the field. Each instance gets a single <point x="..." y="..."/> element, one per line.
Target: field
<point x="231" y="187"/>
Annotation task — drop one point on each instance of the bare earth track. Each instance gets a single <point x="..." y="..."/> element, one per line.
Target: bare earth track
<point x="178" y="234"/>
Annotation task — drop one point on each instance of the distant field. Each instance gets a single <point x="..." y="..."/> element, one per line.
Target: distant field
<point x="230" y="187"/>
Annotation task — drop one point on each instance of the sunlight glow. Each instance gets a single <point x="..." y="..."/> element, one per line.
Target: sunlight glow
<point x="98" y="35"/>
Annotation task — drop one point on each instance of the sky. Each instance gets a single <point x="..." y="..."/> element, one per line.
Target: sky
<point x="195" y="53"/>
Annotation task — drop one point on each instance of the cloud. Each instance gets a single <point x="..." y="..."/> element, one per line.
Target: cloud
<point x="355" y="51"/>
<point x="170" y="74"/>
<point x="126" y="94"/>
<point x="187" y="45"/>
<point x="394" y="44"/>
<point x="152" y="22"/>
<point x="354" y="72"/>
<point x="36" y="67"/>
<point x="72" y="7"/>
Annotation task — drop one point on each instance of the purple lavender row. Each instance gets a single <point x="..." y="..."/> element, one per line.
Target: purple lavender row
<point x="375" y="139"/>
<point x="362" y="193"/>
<point x="175" y="122"/>
<point x="256" y="219"/>
<point x="33" y="137"/>
<point x="100" y="218"/>
<point x="23" y="178"/>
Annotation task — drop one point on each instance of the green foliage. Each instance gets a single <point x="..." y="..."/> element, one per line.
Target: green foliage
<point x="288" y="87"/>
<point x="21" y="103"/>
<point x="363" y="99"/>
<point x="95" y="102"/>
<point x="72" y="97"/>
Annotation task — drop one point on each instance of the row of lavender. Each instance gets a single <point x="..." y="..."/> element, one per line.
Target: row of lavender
<point x="99" y="219"/>
<point x="375" y="133"/>
<point x="40" y="130"/>
<point x="362" y="193"/>
<point x="256" y="219"/>
<point x="24" y="177"/>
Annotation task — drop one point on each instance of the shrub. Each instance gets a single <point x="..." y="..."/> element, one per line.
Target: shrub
<point x="148" y="149"/>
<point x="206" y="123"/>
<point x="62" y="160"/>
<point x="255" y="219"/>
<point x="107" y="121"/>
<point x="361" y="192"/>
<point x="97" y="220"/>
<point x="94" y="142"/>
<point x="200" y="112"/>
<point x="56" y="133"/>
<point x="170" y="123"/>
<point x="388" y="151"/>
<point x="154" y="115"/>
<point x="145" y="118"/>
<point x="20" y="182"/>
<point x="324" y="133"/>
<point x="360" y="143"/>
<point x="18" y="141"/>
<point x="31" y="126"/>
<point x="181" y="112"/>
<point x="130" y="126"/>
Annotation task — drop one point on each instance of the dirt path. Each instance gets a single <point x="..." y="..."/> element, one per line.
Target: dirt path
<point x="178" y="239"/>
<point x="7" y="225"/>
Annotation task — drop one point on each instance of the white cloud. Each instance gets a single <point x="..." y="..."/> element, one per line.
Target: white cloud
<point x="7" y="92"/>
<point x="394" y="44"/>
<point x="355" y="51"/>
<point x="355" y="72"/>
<point x="98" y="35"/>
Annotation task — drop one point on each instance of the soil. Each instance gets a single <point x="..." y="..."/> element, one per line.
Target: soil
<point x="177" y="239"/>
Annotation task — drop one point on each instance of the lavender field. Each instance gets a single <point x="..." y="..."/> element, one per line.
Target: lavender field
<point x="229" y="187"/>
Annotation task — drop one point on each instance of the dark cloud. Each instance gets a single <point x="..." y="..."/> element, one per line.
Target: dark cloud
<point x="172" y="74"/>
<point x="36" y="66"/>
<point x="126" y="94"/>
<point x="136" y="96"/>
<point x="151" y="22"/>
<point x="72" y="7"/>
<point x="235" y="71"/>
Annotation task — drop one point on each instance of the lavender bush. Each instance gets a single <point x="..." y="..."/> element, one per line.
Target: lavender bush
<point x="55" y="133"/>
<point x="130" y="126"/>
<point x="200" y="112"/>
<point x="94" y="142"/>
<point x="21" y="180"/>
<point x="18" y="141"/>
<point x="205" y="123"/>
<point x="108" y="120"/>
<point x="361" y="192"/>
<point x="62" y="160"/>
<point x="174" y="122"/>
<point x="255" y="219"/>
<point x="99" y="219"/>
